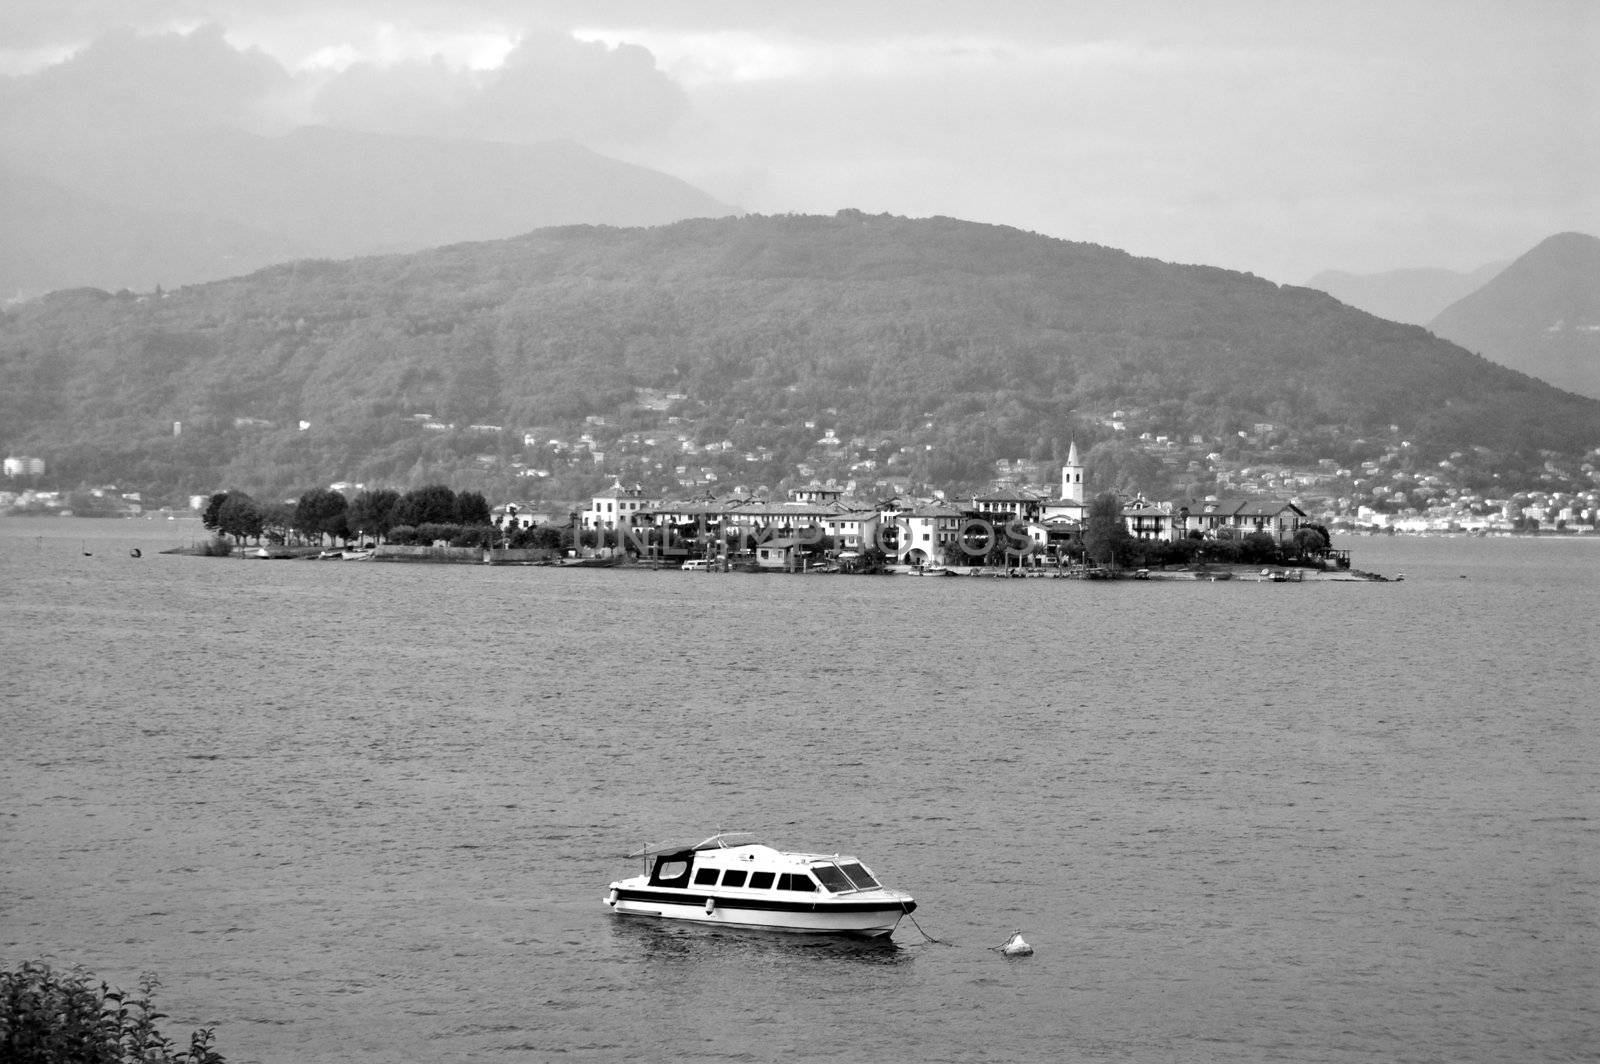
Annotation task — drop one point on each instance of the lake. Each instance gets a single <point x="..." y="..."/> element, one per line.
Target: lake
<point x="368" y="812"/>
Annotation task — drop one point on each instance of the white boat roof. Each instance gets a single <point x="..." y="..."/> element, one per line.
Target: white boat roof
<point x="720" y="843"/>
<point x="715" y="842"/>
<point x="761" y="853"/>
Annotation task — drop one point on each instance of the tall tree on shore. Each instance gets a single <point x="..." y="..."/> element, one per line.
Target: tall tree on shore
<point x="209" y="517"/>
<point x="372" y="512"/>
<point x="277" y="521"/>
<point x="322" y="511"/>
<point x="431" y="505"/>
<point x="233" y="513"/>
<point x="240" y="517"/>
<point x="472" y="509"/>
<point x="1106" y="538"/>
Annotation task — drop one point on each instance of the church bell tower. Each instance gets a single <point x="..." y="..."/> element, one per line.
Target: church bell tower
<point x="1072" y="476"/>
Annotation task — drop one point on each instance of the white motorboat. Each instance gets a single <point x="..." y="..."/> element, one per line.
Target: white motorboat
<point x="754" y="885"/>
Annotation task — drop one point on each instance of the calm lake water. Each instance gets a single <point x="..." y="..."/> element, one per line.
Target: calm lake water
<point x="366" y="812"/>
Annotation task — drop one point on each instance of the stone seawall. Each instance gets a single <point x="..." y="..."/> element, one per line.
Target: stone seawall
<point x="448" y="555"/>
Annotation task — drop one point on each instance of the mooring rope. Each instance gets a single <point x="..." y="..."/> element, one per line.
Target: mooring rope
<point x="925" y="935"/>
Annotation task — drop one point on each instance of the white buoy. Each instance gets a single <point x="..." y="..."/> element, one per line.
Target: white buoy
<point x="1016" y="946"/>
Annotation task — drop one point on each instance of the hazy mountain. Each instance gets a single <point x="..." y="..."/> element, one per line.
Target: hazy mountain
<point x="1541" y="315"/>
<point x="58" y="238"/>
<point x="1412" y="296"/>
<point x="932" y="348"/>
<point x="315" y="191"/>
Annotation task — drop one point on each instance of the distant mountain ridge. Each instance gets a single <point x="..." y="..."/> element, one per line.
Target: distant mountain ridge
<point x="934" y="347"/>
<point x="1540" y="315"/>
<point x="59" y="238"/>
<point x="1412" y="296"/>
<point x="222" y="202"/>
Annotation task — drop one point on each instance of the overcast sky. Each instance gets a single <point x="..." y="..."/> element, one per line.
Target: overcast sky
<point x="1278" y="137"/>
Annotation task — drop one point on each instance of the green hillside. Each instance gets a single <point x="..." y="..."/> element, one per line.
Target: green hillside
<point x="933" y="348"/>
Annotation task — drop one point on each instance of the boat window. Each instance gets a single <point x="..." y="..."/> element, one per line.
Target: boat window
<point x="733" y="877"/>
<point x="831" y="878"/>
<point x="705" y="877"/>
<point x="795" y="881"/>
<point x="858" y="875"/>
<point x="670" y="872"/>
<point x="760" y="880"/>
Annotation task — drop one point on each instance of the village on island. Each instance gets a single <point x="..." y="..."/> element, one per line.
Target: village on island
<point x="821" y="529"/>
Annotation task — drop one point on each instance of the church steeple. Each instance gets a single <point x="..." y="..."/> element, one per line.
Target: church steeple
<point x="1072" y="476"/>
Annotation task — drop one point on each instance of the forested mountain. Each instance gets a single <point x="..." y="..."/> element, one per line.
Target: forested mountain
<point x="177" y="207"/>
<point x="927" y="349"/>
<point x="1413" y="296"/>
<point x="1541" y="315"/>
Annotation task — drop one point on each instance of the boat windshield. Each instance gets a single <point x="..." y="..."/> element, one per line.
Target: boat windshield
<point x="859" y="875"/>
<point x="831" y="878"/>
<point x="840" y="878"/>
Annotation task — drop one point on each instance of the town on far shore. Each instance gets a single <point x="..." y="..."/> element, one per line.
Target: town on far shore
<point x="1015" y="527"/>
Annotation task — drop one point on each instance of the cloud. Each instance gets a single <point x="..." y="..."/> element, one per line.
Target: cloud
<point x="576" y="89"/>
<point x="413" y="97"/>
<point x="138" y="82"/>
<point x="549" y="85"/>
<point x="546" y="85"/>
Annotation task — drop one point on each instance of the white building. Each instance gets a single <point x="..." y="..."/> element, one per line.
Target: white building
<point x="616" y="507"/>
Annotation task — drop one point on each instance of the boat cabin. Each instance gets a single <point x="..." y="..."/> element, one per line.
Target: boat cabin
<point x="761" y="868"/>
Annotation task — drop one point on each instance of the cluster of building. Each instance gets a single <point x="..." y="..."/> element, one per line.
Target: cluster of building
<point x="926" y="531"/>
<point x="1392" y="489"/>
<point x="104" y="501"/>
<point x="1392" y="493"/>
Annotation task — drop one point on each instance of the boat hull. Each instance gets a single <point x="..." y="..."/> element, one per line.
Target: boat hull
<point x="864" y="918"/>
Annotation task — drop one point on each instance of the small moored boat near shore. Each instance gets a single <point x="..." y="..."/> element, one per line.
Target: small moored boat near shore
<point x="754" y="885"/>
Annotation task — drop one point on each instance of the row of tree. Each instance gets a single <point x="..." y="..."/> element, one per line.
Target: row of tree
<point x="322" y="514"/>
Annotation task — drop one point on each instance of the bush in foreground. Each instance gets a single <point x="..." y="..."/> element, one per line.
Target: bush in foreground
<point x="217" y="547"/>
<point x="50" y="1017"/>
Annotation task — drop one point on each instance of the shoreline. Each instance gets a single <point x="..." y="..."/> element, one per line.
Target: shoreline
<point x="386" y="554"/>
